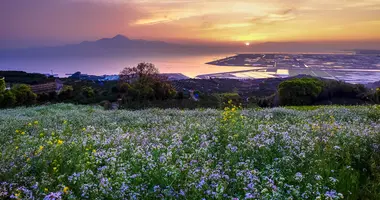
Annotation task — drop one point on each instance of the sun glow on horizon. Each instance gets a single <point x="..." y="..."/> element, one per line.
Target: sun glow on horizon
<point x="190" y="21"/>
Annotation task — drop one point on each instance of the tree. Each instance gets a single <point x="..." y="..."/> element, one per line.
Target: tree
<point x="299" y="91"/>
<point x="7" y="99"/>
<point x="88" y="92"/>
<point x="142" y="71"/>
<point x="2" y="85"/>
<point x="143" y="82"/>
<point x="66" y="93"/>
<point x="24" y="95"/>
<point x="224" y="98"/>
<point x="124" y="88"/>
<point x="377" y="95"/>
<point x="163" y="90"/>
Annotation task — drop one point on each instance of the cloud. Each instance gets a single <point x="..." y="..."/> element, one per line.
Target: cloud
<point x="190" y="19"/>
<point x="61" y="18"/>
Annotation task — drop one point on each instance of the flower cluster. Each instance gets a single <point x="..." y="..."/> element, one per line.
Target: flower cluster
<point x="82" y="152"/>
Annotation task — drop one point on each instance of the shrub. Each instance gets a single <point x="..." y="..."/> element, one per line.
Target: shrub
<point x="339" y="89"/>
<point x="7" y="99"/>
<point x="107" y="105"/>
<point x="124" y="88"/>
<point x="2" y="85"/>
<point x="233" y="98"/>
<point x="263" y="102"/>
<point x="377" y="96"/>
<point x="66" y="93"/>
<point x="24" y="95"/>
<point x="43" y="97"/>
<point x="88" y="92"/>
<point x="299" y="91"/>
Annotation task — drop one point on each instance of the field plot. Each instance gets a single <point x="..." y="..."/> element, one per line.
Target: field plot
<point x="65" y="151"/>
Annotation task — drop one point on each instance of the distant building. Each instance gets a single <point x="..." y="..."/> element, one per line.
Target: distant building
<point x="55" y="86"/>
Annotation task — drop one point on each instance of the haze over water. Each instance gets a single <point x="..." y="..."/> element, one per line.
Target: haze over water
<point x="191" y="65"/>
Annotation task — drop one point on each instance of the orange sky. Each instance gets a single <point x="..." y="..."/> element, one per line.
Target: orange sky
<point x="185" y="21"/>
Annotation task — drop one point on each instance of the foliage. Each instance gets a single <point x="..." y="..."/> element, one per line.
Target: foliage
<point x="339" y="92"/>
<point x="299" y="91"/>
<point x="377" y="95"/>
<point x="107" y="105"/>
<point x="229" y="98"/>
<point x="7" y="99"/>
<point x="20" y="77"/>
<point x="143" y="83"/>
<point x="88" y="92"/>
<point x="24" y="95"/>
<point x="66" y="93"/>
<point x="47" y="97"/>
<point x="124" y="88"/>
<point x="84" y="152"/>
<point x="264" y="102"/>
<point x="143" y="71"/>
<point x="2" y="85"/>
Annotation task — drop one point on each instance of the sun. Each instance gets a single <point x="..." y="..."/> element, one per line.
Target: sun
<point x="247" y="44"/>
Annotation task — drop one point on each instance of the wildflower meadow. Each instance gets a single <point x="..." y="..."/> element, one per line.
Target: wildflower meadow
<point x="67" y="151"/>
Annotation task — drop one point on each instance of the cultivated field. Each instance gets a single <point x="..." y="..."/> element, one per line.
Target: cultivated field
<point x="80" y="152"/>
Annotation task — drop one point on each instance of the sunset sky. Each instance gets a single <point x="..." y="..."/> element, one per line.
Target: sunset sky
<point x="31" y="22"/>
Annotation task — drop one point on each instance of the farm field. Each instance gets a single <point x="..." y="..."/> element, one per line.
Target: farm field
<point x="67" y="151"/>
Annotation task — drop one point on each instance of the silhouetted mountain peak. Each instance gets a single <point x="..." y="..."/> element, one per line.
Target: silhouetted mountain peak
<point x="120" y="37"/>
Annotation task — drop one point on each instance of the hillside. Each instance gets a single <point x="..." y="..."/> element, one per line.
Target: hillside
<point x="82" y="152"/>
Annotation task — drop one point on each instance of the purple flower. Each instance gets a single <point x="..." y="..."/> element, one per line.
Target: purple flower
<point x="53" y="196"/>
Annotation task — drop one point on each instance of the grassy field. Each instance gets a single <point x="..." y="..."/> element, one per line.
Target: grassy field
<point x="65" y="151"/>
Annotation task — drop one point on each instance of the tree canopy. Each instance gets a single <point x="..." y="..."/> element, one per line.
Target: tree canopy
<point x="142" y="71"/>
<point x="143" y="82"/>
<point x="299" y="91"/>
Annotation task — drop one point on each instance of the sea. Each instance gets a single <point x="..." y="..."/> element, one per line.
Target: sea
<point x="191" y="65"/>
<point x="188" y="65"/>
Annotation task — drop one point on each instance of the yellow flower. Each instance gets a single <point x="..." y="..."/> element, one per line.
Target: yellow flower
<point x="94" y="151"/>
<point x="83" y="129"/>
<point x="23" y="133"/>
<point x="35" y="122"/>
<point x="29" y="124"/>
<point x="66" y="190"/>
<point x="46" y="190"/>
<point x="59" y="142"/>
<point x="16" y="147"/>
<point x="41" y="148"/>
<point x="17" y="131"/>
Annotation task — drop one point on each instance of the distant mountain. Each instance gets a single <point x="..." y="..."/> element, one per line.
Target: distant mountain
<point x="123" y="46"/>
<point x="120" y="41"/>
<point x="116" y="46"/>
